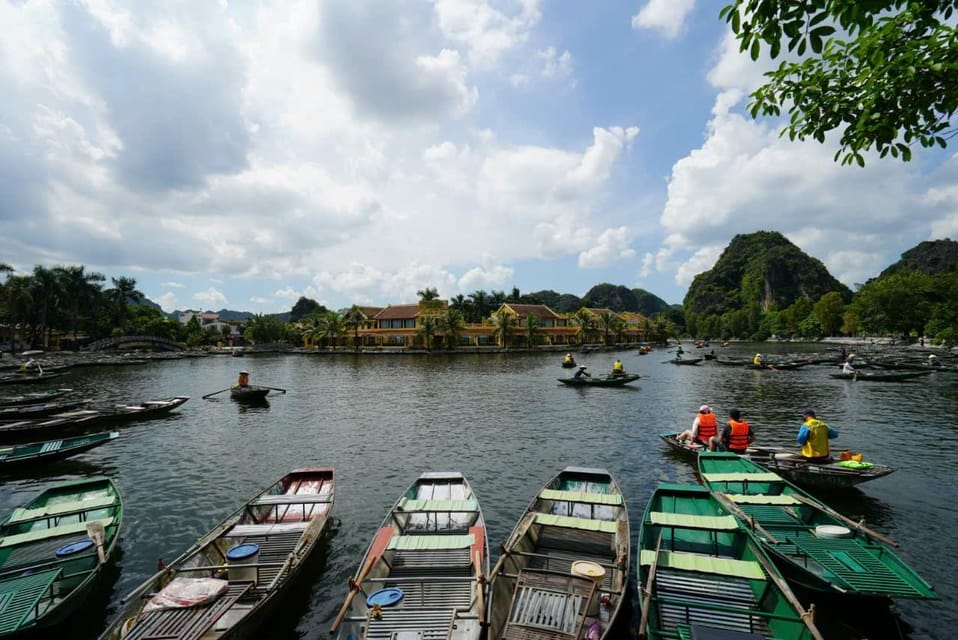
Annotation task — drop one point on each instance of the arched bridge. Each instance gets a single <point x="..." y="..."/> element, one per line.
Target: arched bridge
<point x="151" y="341"/>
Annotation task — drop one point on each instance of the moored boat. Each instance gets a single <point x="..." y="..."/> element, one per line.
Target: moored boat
<point x="564" y="570"/>
<point x="33" y="397"/>
<point x="600" y="381"/>
<point x="53" y="550"/>
<point x="29" y="378"/>
<point x="227" y="584"/>
<point x="814" y="545"/>
<point x="33" y="453"/>
<point x="38" y="410"/>
<point x="424" y="572"/>
<point x="685" y="360"/>
<point x="789" y="464"/>
<point x="697" y="568"/>
<point x="889" y="376"/>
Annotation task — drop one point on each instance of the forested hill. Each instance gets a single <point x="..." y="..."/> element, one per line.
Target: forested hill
<point x="933" y="258"/>
<point x="620" y="298"/>
<point x="762" y="268"/>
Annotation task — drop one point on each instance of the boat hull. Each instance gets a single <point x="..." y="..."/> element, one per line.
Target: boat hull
<point x="36" y="453"/>
<point x="249" y="394"/>
<point x="902" y="376"/>
<point x="605" y="381"/>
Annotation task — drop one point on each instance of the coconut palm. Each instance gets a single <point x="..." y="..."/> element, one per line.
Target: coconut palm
<point x="606" y="322"/>
<point x="428" y="327"/>
<point x="479" y="301"/>
<point x="429" y="293"/>
<point x="353" y="319"/>
<point x="124" y="291"/>
<point x="18" y="305"/>
<point x="330" y="326"/>
<point x="586" y="323"/>
<point x="79" y="288"/>
<point x="451" y="323"/>
<point x="533" y="329"/>
<point x="46" y="298"/>
<point x="505" y="327"/>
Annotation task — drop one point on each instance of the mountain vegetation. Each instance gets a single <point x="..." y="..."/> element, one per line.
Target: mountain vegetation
<point x="932" y="258"/>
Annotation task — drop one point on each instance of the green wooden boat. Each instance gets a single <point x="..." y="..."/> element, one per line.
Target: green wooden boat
<point x="564" y="571"/>
<point x="53" y="549"/>
<point x="33" y="453"/>
<point x="600" y="381"/>
<point x="815" y="545"/>
<point x="697" y="568"/>
<point x="887" y="376"/>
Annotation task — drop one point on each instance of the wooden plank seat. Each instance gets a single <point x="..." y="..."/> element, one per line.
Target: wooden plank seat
<point x="723" y="602"/>
<point x="38" y="553"/>
<point x="298" y="498"/>
<point x="762" y="498"/>
<point x="437" y="506"/>
<point x="61" y="509"/>
<point x="20" y="598"/>
<point x="52" y="532"/>
<point x="687" y="521"/>
<point x="612" y="499"/>
<point x="748" y="569"/>
<point x="187" y="623"/>
<point x="266" y="529"/>
<point x="741" y="476"/>
<point x="432" y="562"/>
<point x="560" y="561"/>
<point x="428" y="623"/>
<point x="579" y="540"/>
<point x="53" y="445"/>
<point x="548" y="605"/>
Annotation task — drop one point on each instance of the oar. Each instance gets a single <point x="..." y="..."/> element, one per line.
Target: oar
<point x="860" y="526"/>
<point x="273" y="388"/>
<point x="210" y="395"/>
<point x="647" y="594"/>
<point x="356" y="586"/>
<point x="480" y="589"/>
<point x="808" y="617"/>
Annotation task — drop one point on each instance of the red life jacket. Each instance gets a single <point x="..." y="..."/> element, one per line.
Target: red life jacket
<point x="738" y="439"/>
<point x="708" y="427"/>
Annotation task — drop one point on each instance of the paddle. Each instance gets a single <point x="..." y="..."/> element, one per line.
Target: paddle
<point x="210" y="395"/>
<point x="647" y="592"/>
<point x="860" y="526"/>
<point x="480" y="589"/>
<point x="274" y="388"/>
<point x="808" y="617"/>
<point x="354" y="587"/>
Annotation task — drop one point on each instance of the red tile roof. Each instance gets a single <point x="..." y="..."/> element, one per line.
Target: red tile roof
<point x="537" y="310"/>
<point x="398" y="312"/>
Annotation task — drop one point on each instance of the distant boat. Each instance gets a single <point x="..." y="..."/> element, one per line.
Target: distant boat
<point x="34" y="453"/>
<point x="53" y="550"/>
<point x="250" y="393"/>
<point x="28" y="378"/>
<point x="890" y="376"/>
<point x="600" y="381"/>
<point x="685" y="360"/>
<point x="33" y="397"/>
<point x="39" y="410"/>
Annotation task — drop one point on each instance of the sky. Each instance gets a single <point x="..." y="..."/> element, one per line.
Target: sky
<point x="242" y="154"/>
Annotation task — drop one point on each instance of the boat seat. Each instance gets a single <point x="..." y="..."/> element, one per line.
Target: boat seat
<point x="446" y="506"/>
<point x="723" y="603"/>
<point x="246" y="530"/>
<point x="761" y="498"/>
<point x="414" y="543"/>
<point x="747" y="569"/>
<point x="41" y="534"/>
<point x="20" y="598"/>
<point x="765" y="476"/>
<point x="187" y="623"/>
<point x="570" y="522"/>
<point x="613" y="499"/>
<point x="548" y="605"/>
<point x="53" y="445"/>
<point x="62" y="509"/>
<point x="688" y="521"/>
<point x="299" y="498"/>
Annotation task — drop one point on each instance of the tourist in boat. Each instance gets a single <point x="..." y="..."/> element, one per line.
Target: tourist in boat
<point x="757" y="360"/>
<point x="568" y="359"/>
<point x="703" y="429"/>
<point x="847" y="367"/>
<point x="814" y="436"/>
<point x="933" y="361"/>
<point x="842" y="353"/>
<point x="617" y="368"/>
<point x="736" y="435"/>
<point x="581" y="373"/>
<point x="243" y="380"/>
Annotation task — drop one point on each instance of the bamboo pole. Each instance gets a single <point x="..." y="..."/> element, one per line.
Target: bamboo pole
<point x="860" y="526"/>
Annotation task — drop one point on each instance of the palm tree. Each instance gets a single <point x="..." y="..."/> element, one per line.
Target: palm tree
<point x="429" y="293"/>
<point x="330" y="326"/>
<point x="458" y="302"/>
<point x="18" y="303"/>
<point x="450" y="323"/>
<point x="586" y="322"/>
<point x="606" y="322"/>
<point x="533" y="326"/>
<point x="79" y="289"/>
<point x="45" y="293"/>
<point x="124" y="290"/>
<point x="505" y="327"/>
<point x="353" y="320"/>
<point x="427" y="330"/>
<point x="480" y="305"/>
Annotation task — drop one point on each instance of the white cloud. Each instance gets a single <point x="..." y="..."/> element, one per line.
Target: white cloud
<point x="494" y="277"/>
<point x="168" y="301"/>
<point x="612" y="245"/>
<point x="173" y="285"/>
<point x="485" y="30"/>
<point x="668" y="16"/>
<point x="211" y="298"/>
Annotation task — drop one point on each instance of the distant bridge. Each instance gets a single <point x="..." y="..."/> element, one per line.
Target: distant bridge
<point x="151" y="341"/>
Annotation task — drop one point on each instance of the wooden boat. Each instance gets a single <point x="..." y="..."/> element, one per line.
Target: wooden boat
<point x="251" y="393"/>
<point x="29" y="378"/>
<point x="568" y="364"/>
<point x="784" y="366"/>
<point x="685" y="360"/>
<point x="731" y="363"/>
<point x="889" y="376"/>
<point x="697" y="568"/>
<point x="814" y="545"/>
<point x="53" y="550"/>
<point x="33" y="397"/>
<point x="33" y="453"/>
<point x="38" y="410"/>
<point x="226" y="584"/>
<point x="87" y="418"/>
<point x="564" y="571"/>
<point x="600" y="381"/>
<point x="423" y="575"/>
<point x="789" y="464"/>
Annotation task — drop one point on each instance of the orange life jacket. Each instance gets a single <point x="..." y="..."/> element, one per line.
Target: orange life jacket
<point x="708" y="427"/>
<point x="739" y="438"/>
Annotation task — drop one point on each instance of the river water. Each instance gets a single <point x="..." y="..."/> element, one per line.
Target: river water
<point x="506" y="423"/>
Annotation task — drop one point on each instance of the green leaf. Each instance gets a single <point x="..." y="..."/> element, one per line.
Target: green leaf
<point x="755" y="49"/>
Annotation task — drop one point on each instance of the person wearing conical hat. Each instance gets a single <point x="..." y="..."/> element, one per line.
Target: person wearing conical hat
<point x="243" y="380"/>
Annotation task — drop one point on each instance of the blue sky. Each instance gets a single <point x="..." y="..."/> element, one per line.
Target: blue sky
<point x="242" y="154"/>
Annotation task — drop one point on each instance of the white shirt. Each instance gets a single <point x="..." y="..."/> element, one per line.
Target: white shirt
<point x="848" y="368"/>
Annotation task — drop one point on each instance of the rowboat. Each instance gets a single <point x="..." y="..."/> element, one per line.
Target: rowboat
<point x="53" y="550"/>
<point x="29" y="378"/>
<point x="87" y="418"/>
<point x="249" y="394"/>
<point x="33" y="397"/>
<point x="38" y="410"/>
<point x="697" y="568"/>
<point x="33" y="453"/>
<point x="423" y="575"/>
<point x="814" y="545"/>
<point x="600" y="381"/>
<point x="564" y="571"/>
<point x="685" y="360"/>
<point x="890" y="376"/>
<point x="229" y="581"/>
<point x="789" y="464"/>
<point x="786" y="366"/>
<point x="731" y="363"/>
